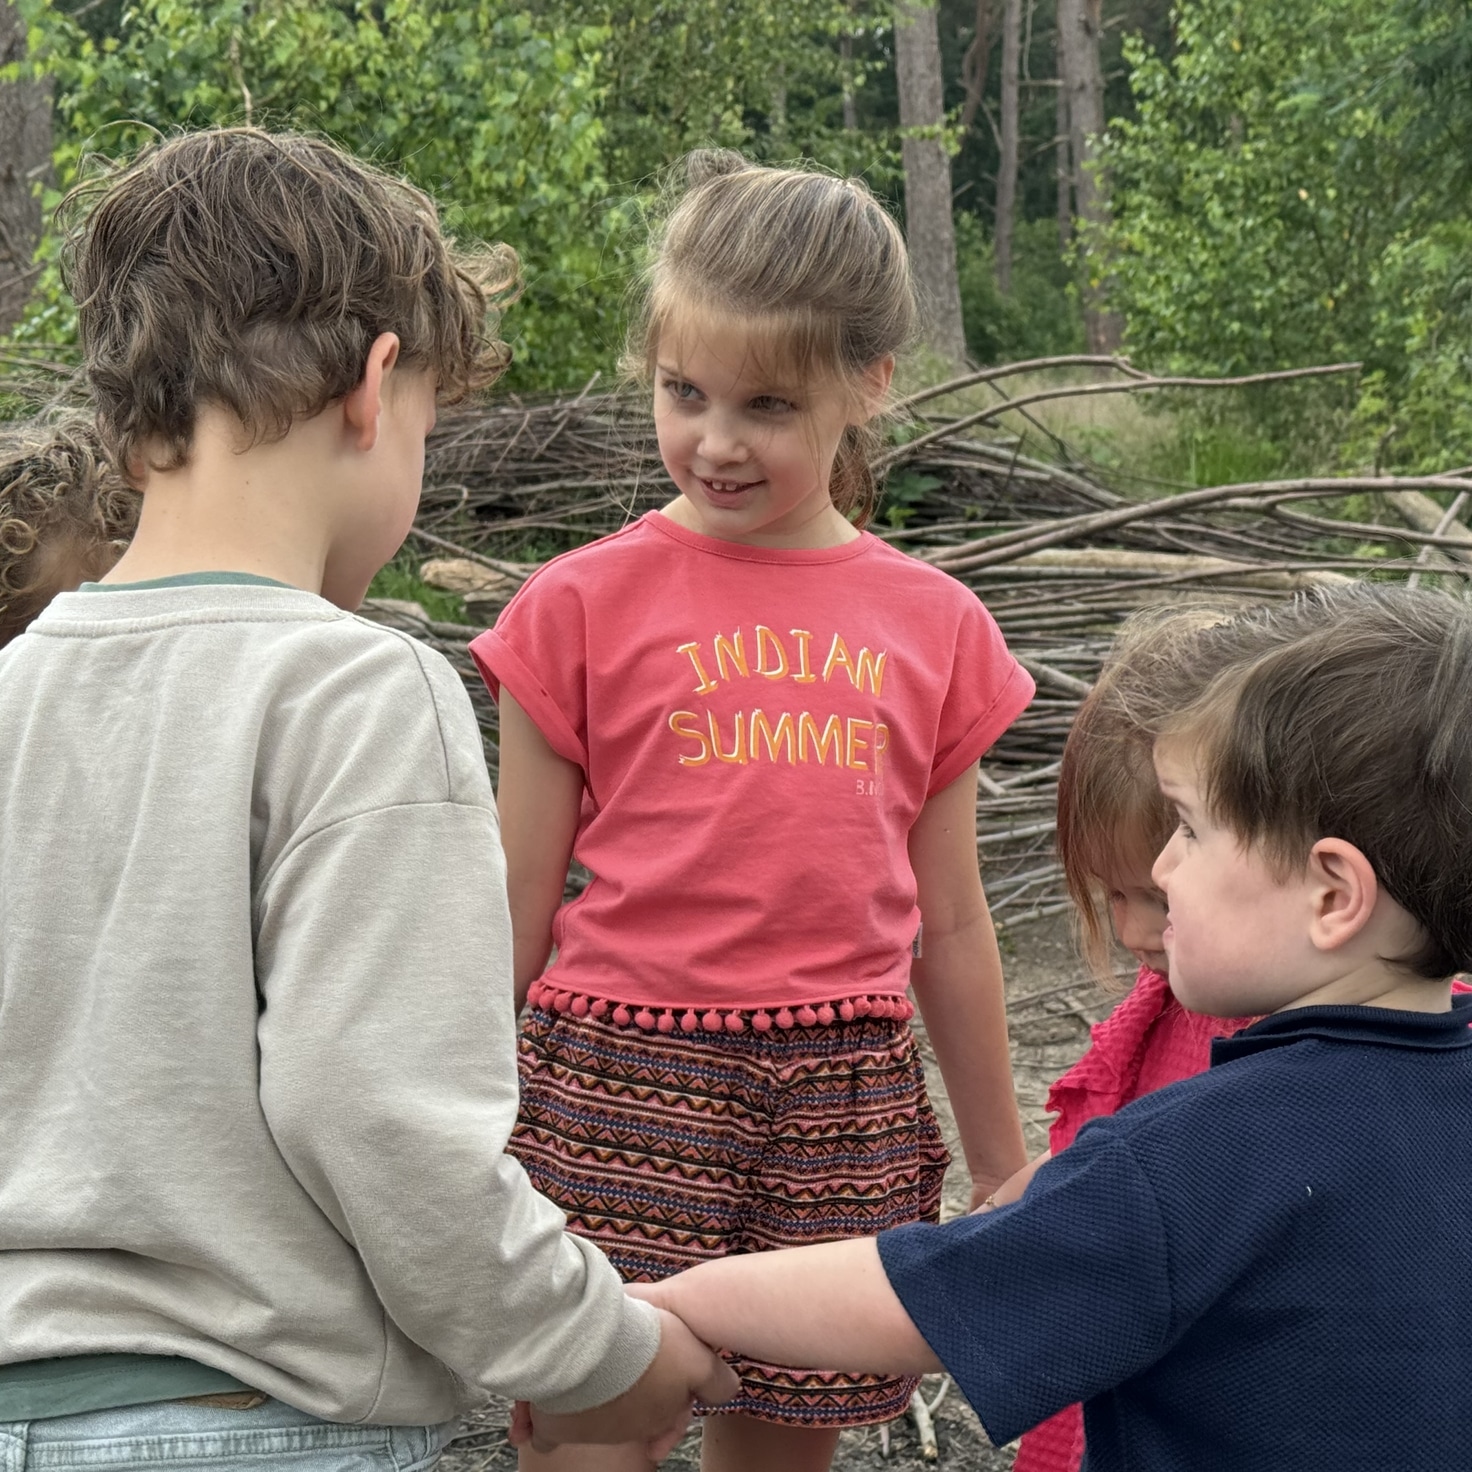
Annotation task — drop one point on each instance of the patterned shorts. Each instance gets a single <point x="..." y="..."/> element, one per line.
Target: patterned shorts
<point x="668" y="1149"/>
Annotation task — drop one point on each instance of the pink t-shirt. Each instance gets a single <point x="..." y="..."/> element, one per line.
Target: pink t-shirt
<point x="758" y="729"/>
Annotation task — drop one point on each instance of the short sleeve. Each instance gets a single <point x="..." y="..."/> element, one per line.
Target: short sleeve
<point x="1050" y="1301"/>
<point x="988" y="691"/>
<point x="538" y="650"/>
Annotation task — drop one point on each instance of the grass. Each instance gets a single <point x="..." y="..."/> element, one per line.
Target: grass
<point x="400" y="579"/>
<point x="1141" y="444"/>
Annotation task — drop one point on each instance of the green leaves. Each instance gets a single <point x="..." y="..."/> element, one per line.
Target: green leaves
<point x="494" y="115"/>
<point x="1278" y="194"/>
<point x="546" y="124"/>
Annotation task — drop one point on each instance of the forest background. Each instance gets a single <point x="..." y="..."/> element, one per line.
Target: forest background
<point x="1212" y="186"/>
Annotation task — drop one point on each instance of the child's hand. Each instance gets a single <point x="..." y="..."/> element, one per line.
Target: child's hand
<point x="1010" y="1190"/>
<point x="654" y="1412"/>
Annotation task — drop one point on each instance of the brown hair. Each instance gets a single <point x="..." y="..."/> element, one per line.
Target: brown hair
<point x="252" y="271"/>
<point x="1356" y="724"/>
<point x="812" y="260"/>
<point x="64" y="516"/>
<point x="1111" y="813"/>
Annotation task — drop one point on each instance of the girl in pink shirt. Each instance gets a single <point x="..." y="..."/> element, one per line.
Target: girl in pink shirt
<point x="758" y="727"/>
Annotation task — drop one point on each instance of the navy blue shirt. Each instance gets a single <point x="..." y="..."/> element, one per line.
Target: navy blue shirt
<point x="1262" y="1267"/>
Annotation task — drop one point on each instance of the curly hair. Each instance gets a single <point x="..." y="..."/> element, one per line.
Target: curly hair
<point x="251" y="271"/>
<point x="65" y="515"/>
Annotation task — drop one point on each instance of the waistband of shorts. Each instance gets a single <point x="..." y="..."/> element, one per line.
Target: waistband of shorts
<point x="648" y="1018"/>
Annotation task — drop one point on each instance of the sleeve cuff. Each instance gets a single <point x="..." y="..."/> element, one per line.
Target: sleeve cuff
<point x="1011" y="700"/>
<point x="631" y="1350"/>
<point x="501" y="667"/>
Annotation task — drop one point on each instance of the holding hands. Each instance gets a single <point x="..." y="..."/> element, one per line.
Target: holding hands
<point x="654" y="1412"/>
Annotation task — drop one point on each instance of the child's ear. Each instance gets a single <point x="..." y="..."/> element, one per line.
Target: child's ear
<point x="1344" y="891"/>
<point x="874" y="385"/>
<point x="362" y="404"/>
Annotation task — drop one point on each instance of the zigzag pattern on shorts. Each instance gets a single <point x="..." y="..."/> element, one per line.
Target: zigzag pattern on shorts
<point x="670" y="1148"/>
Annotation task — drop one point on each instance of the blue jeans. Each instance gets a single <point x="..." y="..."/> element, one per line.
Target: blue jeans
<point x="180" y="1437"/>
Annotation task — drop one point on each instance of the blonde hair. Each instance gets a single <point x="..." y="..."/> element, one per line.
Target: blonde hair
<point x="64" y="516"/>
<point x="1111" y="813"/>
<point x="811" y="261"/>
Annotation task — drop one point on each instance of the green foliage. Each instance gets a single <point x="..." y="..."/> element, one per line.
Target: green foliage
<point x="495" y="115"/>
<point x="1288" y="193"/>
<point x="546" y="125"/>
<point x="400" y="579"/>
<point x="1200" y="453"/>
<point x="764" y="77"/>
<point x="903" y="492"/>
<point x="1040" y="318"/>
<point x="1415" y="410"/>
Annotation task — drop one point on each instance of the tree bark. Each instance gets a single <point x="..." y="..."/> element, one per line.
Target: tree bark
<point x="777" y="118"/>
<point x="929" y="226"/>
<point x="1007" y="168"/>
<point x="850" y="107"/>
<point x="25" y="159"/>
<point x="1065" y="165"/>
<point x="976" y="63"/>
<point x="1079" y="25"/>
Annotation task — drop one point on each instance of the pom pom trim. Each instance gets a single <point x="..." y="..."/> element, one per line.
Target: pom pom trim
<point x="639" y="1015"/>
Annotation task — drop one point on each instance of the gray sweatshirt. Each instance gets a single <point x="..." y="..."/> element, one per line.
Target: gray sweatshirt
<point x="256" y="1032"/>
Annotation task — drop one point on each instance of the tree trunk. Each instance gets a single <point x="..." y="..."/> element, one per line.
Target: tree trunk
<point x="777" y="118"/>
<point x="850" y="108"/>
<point x="1065" y="166"/>
<point x="975" y="64"/>
<point x="25" y="158"/>
<point x="1079" y="23"/>
<point x="1007" y="168"/>
<point x="929" y="227"/>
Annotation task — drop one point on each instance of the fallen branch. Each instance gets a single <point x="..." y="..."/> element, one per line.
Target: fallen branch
<point x="1136" y="383"/>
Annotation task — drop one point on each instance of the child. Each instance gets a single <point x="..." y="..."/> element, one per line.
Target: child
<point x="1261" y="1266"/>
<point x="64" y="517"/>
<point x="759" y="728"/>
<point x="1112" y="822"/>
<point x="255" y="1058"/>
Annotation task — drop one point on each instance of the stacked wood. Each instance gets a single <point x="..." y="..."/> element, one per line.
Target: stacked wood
<point x="1058" y="555"/>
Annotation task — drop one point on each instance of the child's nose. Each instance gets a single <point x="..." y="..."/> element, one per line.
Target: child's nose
<point x="1164" y="864"/>
<point x="720" y="441"/>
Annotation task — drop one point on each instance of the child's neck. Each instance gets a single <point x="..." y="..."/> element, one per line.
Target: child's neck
<point x="1357" y="973"/>
<point x="269" y="509"/>
<point x="827" y="527"/>
<point x="1379" y="985"/>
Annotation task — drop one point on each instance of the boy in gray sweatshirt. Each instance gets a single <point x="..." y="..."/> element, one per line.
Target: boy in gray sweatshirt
<point x="256" y="1030"/>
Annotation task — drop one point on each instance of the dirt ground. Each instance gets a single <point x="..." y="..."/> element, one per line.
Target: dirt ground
<point x="1050" y="1006"/>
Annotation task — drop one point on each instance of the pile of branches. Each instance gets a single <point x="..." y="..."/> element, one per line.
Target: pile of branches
<point x="1058" y="556"/>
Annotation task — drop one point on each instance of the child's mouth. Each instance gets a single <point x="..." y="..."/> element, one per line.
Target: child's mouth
<point x="727" y="492"/>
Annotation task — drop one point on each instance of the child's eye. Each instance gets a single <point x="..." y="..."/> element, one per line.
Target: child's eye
<point x="677" y="388"/>
<point x="771" y="404"/>
<point x="1185" y="829"/>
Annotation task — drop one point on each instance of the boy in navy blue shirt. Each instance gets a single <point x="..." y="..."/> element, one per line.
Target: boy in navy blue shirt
<point x="1263" y="1266"/>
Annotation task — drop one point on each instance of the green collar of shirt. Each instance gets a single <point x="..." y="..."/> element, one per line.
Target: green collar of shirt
<point x="186" y="580"/>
